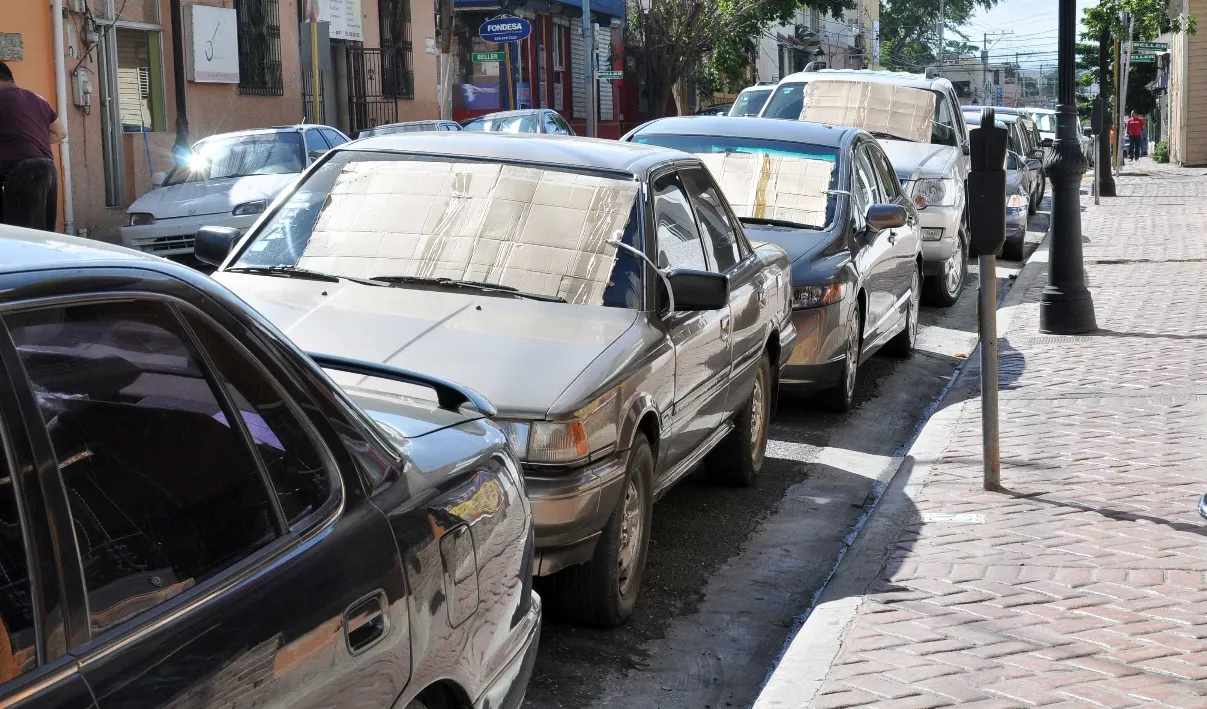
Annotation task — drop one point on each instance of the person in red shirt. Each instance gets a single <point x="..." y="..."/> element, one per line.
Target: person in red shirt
<point x="1135" y="129"/>
<point x="29" y="181"/>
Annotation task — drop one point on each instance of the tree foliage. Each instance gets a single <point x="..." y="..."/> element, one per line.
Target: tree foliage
<point x="909" y="30"/>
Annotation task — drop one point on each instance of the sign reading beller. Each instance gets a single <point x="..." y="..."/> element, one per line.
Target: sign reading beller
<point x="1144" y="59"/>
<point x="610" y="75"/>
<point x="214" y="45"/>
<point x="1150" y="47"/>
<point x="505" y="28"/>
<point x="487" y="56"/>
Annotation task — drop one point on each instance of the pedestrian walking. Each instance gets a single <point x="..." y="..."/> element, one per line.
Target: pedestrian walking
<point x="1135" y="131"/>
<point x="29" y="181"/>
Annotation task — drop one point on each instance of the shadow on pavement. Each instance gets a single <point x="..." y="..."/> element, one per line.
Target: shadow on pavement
<point x="1105" y="511"/>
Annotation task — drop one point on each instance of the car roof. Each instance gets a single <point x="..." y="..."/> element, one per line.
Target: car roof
<point x="758" y="87"/>
<point x="271" y="129"/>
<point x="761" y="128"/>
<point x="896" y="78"/>
<point x="556" y="150"/>
<point x="27" y="249"/>
<point x="505" y="114"/>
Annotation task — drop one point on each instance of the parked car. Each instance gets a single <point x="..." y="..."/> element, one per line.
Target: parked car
<point x="855" y="251"/>
<point x="1045" y="119"/>
<point x="1025" y="140"/>
<point x="528" y="120"/>
<point x="721" y="109"/>
<point x="1022" y="143"/>
<point x="933" y="174"/>
<point x="1018" y="206"/>
<point x="751" y="100"/>
<point x="209" y="519"/>
<point x="521" y="267"/>
<point x="409" y="127"/>
<point x="227" y="180"/>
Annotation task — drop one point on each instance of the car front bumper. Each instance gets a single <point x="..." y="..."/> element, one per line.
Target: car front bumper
<point x="1016" y="225"/>
<point x="506" y="690"/>
<point x="171" y="237"/>
<point x="570" y="510"/>
<point x="817" y="356"/>
<point x="940" y="227"/>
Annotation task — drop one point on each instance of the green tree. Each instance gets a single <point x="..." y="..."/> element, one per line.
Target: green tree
<point x="909" y="29"/>
<point x="677" y="35"/>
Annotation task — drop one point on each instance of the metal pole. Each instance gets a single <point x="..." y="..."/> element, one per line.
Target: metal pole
<point x="315" y="81"/>
<point x="182" y="116"/>
<point x="942" y="15"/>
<point x="1102" y="164"/>
<point x="1097" y="171"/>
<point x="589" y="68"/>
<point x="987" y="320"/>
<point x="1066" y="307"/>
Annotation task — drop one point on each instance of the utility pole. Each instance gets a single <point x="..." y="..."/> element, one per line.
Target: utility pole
<point x="1106" y="181"/>
<point x="181" y="148"/>
<point x="445" y="74"/>
<point x="942" y="53"/>
<point x="1066" y="307"/>
<point x="1124" y="68"/>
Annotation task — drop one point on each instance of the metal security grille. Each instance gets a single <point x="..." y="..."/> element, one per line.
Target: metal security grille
<point x="398" y="78"/>
<point x="259" y="47"/>
<point x="368" y="104"/>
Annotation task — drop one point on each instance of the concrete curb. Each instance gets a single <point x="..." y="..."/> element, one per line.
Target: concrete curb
<point x="795" y="680"/>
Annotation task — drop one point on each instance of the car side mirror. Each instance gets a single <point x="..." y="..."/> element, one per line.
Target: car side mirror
<point x="886" y="216"/>
<point x="158" y="179"/>
<point x="316" y="154"/>
<point x="698" y="290"/>
<point x="214" y="243"/>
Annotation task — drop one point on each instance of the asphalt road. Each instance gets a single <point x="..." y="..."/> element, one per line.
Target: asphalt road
<point x="731" y="571"/>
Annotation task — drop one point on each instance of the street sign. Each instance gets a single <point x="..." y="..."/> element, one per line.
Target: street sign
<point x="1000" y="95"/>
<point x="487" y="56"/>
<point x="1144" y="59"/>
<point x="505" y="28"/>
<point x="610" y="75"/>
<point x="1150" y="47"/>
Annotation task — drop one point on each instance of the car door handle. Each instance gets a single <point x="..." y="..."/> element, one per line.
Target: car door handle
<point x="725" y="327"/>
<point x="365" y="623"/>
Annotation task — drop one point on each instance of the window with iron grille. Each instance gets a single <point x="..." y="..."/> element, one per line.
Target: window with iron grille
<point x="397" y="77"/>
<point x="259" y="47"/>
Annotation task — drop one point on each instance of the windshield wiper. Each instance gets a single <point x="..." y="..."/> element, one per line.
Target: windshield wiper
<point x="778" y="222"/>
<point x="890" y="136"/>
<point x="476" y="285"/>
<point x="305" y="273"/>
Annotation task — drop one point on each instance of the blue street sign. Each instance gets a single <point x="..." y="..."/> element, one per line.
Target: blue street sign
<point x="1000" y="95"/>
<point x="505" y="28"/>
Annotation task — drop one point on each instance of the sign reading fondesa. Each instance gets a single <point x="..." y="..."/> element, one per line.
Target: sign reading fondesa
<point x="505" y="28"/>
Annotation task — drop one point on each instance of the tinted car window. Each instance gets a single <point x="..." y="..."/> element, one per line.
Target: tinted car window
<point x="884" y="171"/>
<point x="943" y="130"/>
<point x="333" y="138"/>
<point x="561" y="122"/>
<point x="865" y="193"/>
<point x="163" y="492"/>
<point x="287" y="451"/>
<point x="720" y="237"/>
<point x="786" y="102"/>
<point x="551" y="125"/>
<point x="678" y="241"/>
<point x="314" y="141"/>
<point x="750" y="102"/>
<point x="18" y="652"/>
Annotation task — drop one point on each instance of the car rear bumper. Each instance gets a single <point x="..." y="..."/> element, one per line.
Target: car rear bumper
<point x="171" y="237"/>
<point x="507" y="689"/>
<point x="570" y="510"/>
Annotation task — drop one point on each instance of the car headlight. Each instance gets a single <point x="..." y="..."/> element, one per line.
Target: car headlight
<point x="817" y="296"/>
<point x="139" y="219"/>
<point x="590" y="434"/>
<point x="1016" y="201"/>
<point x="253" y="207"/>
<point x="930" y="191"/>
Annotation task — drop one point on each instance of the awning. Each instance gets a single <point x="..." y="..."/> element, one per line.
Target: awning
<point x="612" y="8"/>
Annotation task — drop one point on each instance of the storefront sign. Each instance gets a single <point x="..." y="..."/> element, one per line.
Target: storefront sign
<point x="610" y="75"/>
<point x="505" y="28"/>
<point x="214" y="45"/>
<point x="1144" y="58"/>
<point x="487" y="56"/>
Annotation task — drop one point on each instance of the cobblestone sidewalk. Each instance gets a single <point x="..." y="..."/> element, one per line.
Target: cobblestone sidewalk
<point x="1085" y="584"/>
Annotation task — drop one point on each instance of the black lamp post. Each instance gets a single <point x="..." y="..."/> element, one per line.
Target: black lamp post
<point x="1106" y="181"/>
<point x="1066" y="307"/>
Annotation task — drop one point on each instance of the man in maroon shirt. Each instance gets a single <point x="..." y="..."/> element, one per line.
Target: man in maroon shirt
<point x="29" y="181"/>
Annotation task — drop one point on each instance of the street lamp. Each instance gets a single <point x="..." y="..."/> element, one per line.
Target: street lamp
<point x="1066" y="307"/>
<point x="645" y="6"/>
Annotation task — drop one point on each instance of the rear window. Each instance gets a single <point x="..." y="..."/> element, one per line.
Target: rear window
<point x="786" y="103"/>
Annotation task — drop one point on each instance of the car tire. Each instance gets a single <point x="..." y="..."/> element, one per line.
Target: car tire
<point x="1013" y="250"/>
<point x="944" y="288"/>
<point x="1033" y="204"/>
<point x="602" y="592"/>
<point x="840" y="398"/>
<point x="902" y="345"/>
<point x="738" y="459"/>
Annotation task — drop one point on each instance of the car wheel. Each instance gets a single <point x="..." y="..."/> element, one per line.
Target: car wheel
<point x="944" y="288"/>
<point x="841" y="397"/>
<point x="902" y="345"/>
<point x="738" y="459"/>
<point x="1033" y="204"/>
<point x="602" y="592"/>
<point x="1013" y="250"/>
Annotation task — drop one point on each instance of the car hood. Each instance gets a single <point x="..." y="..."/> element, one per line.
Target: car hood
<point x="209" y="197"/>
<point x="914" y="160"/>
<point x="520" y="354"/>
<point x="797" y="243"/>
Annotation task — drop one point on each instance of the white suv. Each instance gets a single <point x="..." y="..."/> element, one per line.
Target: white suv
<point x="934" y="174"/>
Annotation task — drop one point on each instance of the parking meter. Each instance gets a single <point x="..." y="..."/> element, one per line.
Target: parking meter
<point x="1096" y="116"/>
<point x="987" y="187"/>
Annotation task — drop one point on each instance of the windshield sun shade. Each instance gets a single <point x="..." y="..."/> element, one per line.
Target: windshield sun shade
<point x="767" y="186"/>
<point x="899" y="111"/>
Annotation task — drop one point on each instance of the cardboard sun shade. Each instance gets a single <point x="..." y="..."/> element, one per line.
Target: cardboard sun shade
<point x="773" y="186"/>
<point x="540" y="231"/>
<point x="899" y="111"/>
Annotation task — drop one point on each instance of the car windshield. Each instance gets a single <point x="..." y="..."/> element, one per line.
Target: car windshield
<point x="750" y="102"/>
<point x="793" y="181"/>
<point x="456" y="223"/>
<point x="524" y="123"/>
<point x="241" y="155"/>
<point x="1046" y="122"/>
<point x="788" y="101"/>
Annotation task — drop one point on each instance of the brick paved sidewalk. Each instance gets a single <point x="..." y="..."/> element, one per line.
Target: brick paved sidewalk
<point x="1084" y="585"/>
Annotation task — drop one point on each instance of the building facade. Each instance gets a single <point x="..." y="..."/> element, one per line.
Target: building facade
<point x="847" y="42"/>
<point x="1185" y="103"/>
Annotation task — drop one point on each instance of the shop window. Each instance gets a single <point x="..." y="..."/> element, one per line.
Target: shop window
<point x="559" y="42"/>
<point x="139" y="80"/>
<point x="259" y="47"/>
<point x="398" y="78"/>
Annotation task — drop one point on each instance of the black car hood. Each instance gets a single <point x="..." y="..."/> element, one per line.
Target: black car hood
<point x="797" y="243"/>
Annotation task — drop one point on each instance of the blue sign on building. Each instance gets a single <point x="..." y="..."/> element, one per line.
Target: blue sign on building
<point x="1000" y="96"/>
<point x="505" y="28"/>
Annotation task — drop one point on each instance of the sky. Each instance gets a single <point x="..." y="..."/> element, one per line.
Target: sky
<point x="1033" y="24"/>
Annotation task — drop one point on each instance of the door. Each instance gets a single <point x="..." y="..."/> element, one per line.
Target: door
<point x="31" y="590"/>
<point x="224" y="557"/>
<point x="729" y="253"/>
<point x="875" y="258"/>
<point x="903" y="240"/>
<point x="701" y="338"/>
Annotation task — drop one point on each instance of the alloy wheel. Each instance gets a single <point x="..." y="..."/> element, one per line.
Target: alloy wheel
<point x="953" y="268"/>
<point x="631" y="523"/>
<point x="758" y="418"/>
